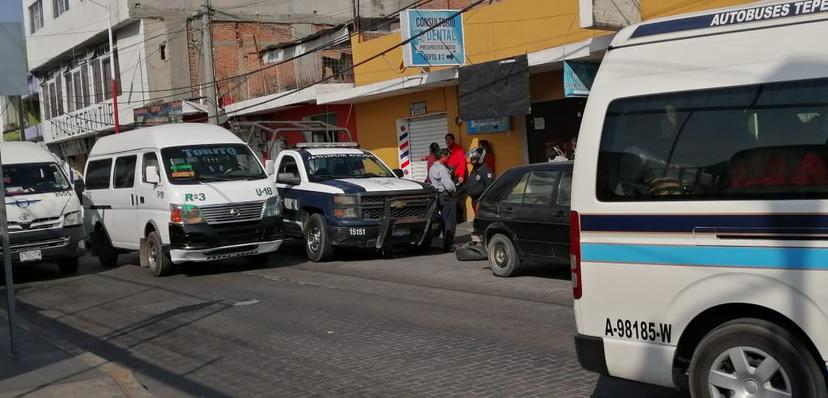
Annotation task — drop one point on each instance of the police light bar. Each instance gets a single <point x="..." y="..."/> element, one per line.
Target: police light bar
<point x="327" y="145"/>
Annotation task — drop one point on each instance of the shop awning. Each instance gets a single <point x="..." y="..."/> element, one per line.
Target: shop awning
<point x="544" y="60"/>
<point x="283" y="100"/>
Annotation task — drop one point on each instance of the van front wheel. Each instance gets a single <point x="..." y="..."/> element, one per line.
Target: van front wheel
<point x="107" y="254"/>
<point x="156" y="259"/>
<point x="753" y="357"/>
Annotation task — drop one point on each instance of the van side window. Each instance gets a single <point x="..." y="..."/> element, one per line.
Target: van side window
<point x="289" y="166"/>
<point x="97" y="174"/>
<point x="763" y="141"/>
<point x="515" y="195"/>
<point x="124" y="172"/>
<point x="150" y="159"/>
<point x="540" y="188"/>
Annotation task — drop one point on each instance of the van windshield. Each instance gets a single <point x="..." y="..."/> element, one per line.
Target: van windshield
<point x="211" y="163"/>
<point x="33" y="178"/>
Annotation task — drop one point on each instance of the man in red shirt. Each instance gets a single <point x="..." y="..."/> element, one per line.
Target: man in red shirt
<point x="457" y="158"/>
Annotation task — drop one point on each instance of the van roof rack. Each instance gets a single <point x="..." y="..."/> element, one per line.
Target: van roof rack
<point x="327" y="145"/>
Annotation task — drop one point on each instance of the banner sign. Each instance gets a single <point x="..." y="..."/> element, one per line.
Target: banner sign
<point x="441" y="46"/>
<point x="486" y="126"/>
<point x="13" y="49"/>
<point x="578" y="78"/>
<point x="727" y="18"/>
<point x="153" y="115"/>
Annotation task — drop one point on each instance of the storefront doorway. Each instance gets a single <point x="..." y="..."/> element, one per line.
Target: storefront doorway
<point x="550" y="123"/>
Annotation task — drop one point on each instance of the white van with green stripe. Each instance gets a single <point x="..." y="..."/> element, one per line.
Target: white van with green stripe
<point x="700" y="211"/>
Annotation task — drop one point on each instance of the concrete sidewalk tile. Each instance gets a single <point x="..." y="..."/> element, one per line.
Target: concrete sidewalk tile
<point x="101" y="387"/>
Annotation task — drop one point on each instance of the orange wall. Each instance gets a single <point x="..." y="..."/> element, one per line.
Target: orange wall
<point x="496" y="31"/>
<point x="661" y="8"/>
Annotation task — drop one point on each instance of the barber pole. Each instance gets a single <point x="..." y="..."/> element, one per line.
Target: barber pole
<point x="404" y="148"/>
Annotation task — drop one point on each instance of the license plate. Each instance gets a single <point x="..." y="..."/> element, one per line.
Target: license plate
<point x="401" y="232"/>
<point x="357" y="231"/>
<point x="31" y="255"/>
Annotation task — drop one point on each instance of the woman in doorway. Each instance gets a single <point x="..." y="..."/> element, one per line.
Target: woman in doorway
<point x="431" y="158"/>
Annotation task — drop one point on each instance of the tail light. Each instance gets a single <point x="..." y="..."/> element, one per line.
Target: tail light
<point x="575" y="253"/>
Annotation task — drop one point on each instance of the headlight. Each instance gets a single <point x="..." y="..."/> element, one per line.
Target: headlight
<point x="185" y="214"/>
<point x="345" y="200"/>
<point x="73" y="218"/>
<point x="272" y="207"/>
<point x="346" y="212"/>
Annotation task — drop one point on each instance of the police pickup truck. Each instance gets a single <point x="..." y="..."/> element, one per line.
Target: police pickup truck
<point x="337" y="195"/>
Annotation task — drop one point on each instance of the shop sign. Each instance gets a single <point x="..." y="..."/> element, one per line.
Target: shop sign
<point x="153" y="115"/>
<point x="486" y="126"/>
<point x="73" y="147"/>
<point x="94" y="118"/>
<point x="578" y="78"/>
<point x="418" y="108"/>
<point x="441" y="46"/>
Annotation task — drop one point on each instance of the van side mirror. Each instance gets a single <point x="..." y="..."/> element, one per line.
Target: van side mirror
<point x="153" y="177"/>
<point x="399" y="173"/>
<point x="270" y="167"/>
<point x="288" y="178"/>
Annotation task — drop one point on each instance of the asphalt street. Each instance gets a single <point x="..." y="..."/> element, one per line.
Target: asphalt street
<point x="364" y="325"/>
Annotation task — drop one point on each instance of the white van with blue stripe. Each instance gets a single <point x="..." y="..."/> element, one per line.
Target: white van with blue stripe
<point x="700" y="204"/>
<point x="337" y="195"/>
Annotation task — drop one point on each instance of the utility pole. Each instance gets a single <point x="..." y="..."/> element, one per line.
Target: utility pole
<point x="114" y="79"/>
<point x="4" y="231"/>
<point x="209" y="75"/>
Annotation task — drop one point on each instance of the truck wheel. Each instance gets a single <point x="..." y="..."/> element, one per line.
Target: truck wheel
<point x="68" y="266"/>
<point x="107" y="255"/>
<point x="503" y="256"/>
<point x="159" y="262"/>
<point x="752" y="357"/>
<point x="317" y="244"/>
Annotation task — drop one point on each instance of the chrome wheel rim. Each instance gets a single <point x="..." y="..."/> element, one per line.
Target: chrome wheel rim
<point x="314" y="237"/>
<point x="748" y="372"/>
<point x="500" y="256"/>
<point x="152" y="255"/>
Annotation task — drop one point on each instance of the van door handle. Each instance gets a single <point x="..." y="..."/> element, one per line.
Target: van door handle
<point x="141" y="199"/>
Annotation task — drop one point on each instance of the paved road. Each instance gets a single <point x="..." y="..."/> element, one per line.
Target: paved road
<point x="361" y="326"/>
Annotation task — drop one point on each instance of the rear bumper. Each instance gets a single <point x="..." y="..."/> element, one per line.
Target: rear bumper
<point x="590" y="351"/>
<point x="54" y="244"/>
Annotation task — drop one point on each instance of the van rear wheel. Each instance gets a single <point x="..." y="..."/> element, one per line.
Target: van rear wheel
<point x="156" y="259"/>
<point x="106" y="253"/>
<point x="752" y="357"/>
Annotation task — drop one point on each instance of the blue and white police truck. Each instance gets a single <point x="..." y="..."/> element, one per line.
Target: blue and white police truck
<point x="336" y="195"/>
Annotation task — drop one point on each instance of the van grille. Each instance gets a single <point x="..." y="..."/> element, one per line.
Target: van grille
<point x="233" y="213"/>
<point x="38" y="245"/>
<point x="40" y="223"/>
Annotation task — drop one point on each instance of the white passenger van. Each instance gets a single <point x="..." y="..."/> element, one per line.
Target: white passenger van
<point x="44" y="214"/>
<point x="700" y="204"/>
<point x="179" y="193"/>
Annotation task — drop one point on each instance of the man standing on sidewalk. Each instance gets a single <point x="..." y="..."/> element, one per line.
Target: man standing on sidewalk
<point x="443" y="182"/>
<point x="457" y="158"/>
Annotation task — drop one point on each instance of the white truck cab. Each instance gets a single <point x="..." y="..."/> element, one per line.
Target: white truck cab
<point x="179" y="193"/>
<point x="44" y="214"/>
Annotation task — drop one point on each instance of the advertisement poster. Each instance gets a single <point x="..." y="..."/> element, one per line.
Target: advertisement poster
<point x="441" y="46"/>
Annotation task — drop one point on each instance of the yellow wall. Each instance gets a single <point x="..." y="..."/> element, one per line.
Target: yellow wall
<point x="500" y="30"/>
<point x="661" y="8"/>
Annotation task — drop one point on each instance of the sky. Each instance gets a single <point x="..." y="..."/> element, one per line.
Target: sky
<point x="11" y="11"/>
<point x="12" y="46"/>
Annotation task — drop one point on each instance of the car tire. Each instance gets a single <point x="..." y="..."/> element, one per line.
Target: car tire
<point x="69" y="266"/>
<point x="317" y="243"/>
<point x="156" y="259"/>
<point x="106" y="253"/>
<point x="503" y="256"/>
<point x="715" y="362"/>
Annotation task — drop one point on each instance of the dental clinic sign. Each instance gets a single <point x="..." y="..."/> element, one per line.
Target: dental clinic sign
<point x="441" y="46"/>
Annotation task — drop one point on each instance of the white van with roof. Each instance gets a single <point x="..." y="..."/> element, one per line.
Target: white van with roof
<point x="43" y="210"/>
<point x="179" y="193"/>
<point x="699" y="211"/>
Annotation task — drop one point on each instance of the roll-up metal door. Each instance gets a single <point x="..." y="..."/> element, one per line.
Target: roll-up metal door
<point x="423" y="132"/>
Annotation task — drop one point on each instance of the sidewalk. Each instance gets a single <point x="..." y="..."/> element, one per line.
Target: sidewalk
<point x="45" y="369"/>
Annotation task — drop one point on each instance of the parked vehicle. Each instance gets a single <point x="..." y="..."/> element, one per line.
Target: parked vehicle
<point x="524" y="217"/>
<point x="179" y="192"/>
<point x="44" y="214"/>
<point x="337" y="195"/>
<point x="699" y="204"/>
